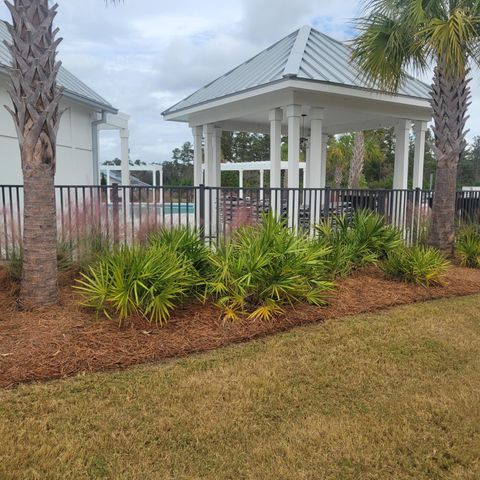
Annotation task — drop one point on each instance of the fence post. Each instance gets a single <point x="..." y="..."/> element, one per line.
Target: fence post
<point x="326" y="203"/>
<point x="380" y="207"/>
<point x="116" y="216"/>
<point x="201" y="209"/>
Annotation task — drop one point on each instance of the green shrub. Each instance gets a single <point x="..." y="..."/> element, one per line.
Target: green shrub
<point x="468" y="246"/>
<point x="184" y="241"/>
<point x="421" y="265"/>
<point x="363" y="240"/>
<point x="148" y="281"/>
<point x="263" y="268"/>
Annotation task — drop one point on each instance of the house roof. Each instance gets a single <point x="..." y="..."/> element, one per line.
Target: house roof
<point x="305" y="54"/>
<point x="73" y="87"/>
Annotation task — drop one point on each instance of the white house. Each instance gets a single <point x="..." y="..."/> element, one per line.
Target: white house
<point x="77" y="149"/>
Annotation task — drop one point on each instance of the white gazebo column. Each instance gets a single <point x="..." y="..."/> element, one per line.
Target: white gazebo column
<point x="293" y="116"/>
<point x="210" y="181"/>
<point x="323" y="170"/>
<point x="210" y="170"/>
<point x="400" y="172"/>
<point x="402" y="144"/>
<point x="306" y="171"/>
<point x="240" y="183"/>
<point x="262" y="183"/>
<point x="160" y="179"/>
<point x="217" y="155"/>
<point x="317" y="161"/>
<point x="197" y="155"/>
<point x="125" y="163"/>
<point x="275" y="117"/>
<point x="418" y="164"/>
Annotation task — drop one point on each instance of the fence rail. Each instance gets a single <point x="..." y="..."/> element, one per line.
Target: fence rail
<point x="128" y="214"/>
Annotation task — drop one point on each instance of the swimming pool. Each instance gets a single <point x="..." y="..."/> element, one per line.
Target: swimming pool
<point x="162" y="209"/>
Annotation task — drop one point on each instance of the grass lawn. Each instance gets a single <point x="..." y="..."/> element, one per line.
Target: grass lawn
<point x="394" y="395"/>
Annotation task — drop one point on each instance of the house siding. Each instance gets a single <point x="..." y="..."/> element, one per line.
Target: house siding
<point x="74" y="145"/>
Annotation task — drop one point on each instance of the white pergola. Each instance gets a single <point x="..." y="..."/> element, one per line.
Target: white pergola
<point x="118" y="122"/>
<point x="305" y="84"/>
<point x="260" y="167"/>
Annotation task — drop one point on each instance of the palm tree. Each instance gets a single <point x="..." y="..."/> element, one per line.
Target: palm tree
<point x="35" y="97"/>
<point x="351" y="152"/>
<point x="357" y="162"/>
<point x="366" y="149"/>
<point x="395" y="35"/>
<point x="339" y="154"/>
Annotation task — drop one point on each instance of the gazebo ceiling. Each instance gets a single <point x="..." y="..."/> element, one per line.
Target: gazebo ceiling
<point x="307" y="68"/>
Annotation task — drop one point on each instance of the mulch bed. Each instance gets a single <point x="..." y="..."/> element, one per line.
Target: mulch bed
<point x="66" y="339"/>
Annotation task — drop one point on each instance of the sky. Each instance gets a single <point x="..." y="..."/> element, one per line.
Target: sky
<point x="143" y="56"/>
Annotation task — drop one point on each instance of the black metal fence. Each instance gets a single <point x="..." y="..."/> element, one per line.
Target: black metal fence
<point x="128" y="214"/>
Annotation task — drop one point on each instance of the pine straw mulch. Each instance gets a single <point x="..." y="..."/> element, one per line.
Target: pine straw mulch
<point x="66" y="339"/>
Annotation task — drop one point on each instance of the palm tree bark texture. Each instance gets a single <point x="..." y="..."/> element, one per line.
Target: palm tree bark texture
<point x="358" y="160"/>
<point x="35" y="97"/>
<point x="450" y="101"/>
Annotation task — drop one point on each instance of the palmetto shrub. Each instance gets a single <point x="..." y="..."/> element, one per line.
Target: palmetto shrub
<point x="185" y="241"/>
<point x="421" y="265"/>
<point x="263" y="268"/>
<point x="468" y="246"/>
<point x="147" y="281"/>
<point x="364" y="239"/>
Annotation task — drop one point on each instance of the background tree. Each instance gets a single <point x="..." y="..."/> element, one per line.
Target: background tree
<point x="184" y="154"/>
<point x="357" y="161"/>
<point x="378" y="168"/>
<point x="339" y="153"/>
<point x="398" y="34"/>
<point x="244" y="147"/>
<point x="469" y="165"/>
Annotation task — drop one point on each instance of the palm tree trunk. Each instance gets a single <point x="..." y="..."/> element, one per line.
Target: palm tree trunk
<point x="35" y="99"/>
<point x="338" y="176"/>
<point x="39" y="274"/>
<point x="450" y="101"/>
<point x="358" y="160"/>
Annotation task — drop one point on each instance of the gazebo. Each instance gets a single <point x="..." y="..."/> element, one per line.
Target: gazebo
<point x="304" y="84"/>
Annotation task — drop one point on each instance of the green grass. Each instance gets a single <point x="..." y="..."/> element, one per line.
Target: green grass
<point x="394" y="395"/>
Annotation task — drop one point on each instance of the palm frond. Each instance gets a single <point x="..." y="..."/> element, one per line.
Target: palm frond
<point x="384" y="50"/>
<point x="396" y="36"/>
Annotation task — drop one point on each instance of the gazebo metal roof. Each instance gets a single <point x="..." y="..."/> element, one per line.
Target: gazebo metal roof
<point x="73" y="87"/>
<point x="305" y="54"/>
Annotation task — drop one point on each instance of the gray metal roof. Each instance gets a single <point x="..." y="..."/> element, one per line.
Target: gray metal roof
<point x="304" y="54"/>
<point x="72" y="85"/>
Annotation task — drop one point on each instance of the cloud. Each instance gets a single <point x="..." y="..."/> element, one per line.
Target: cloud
<point x="186" y="65"/>
<point x="144" y="56"/>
